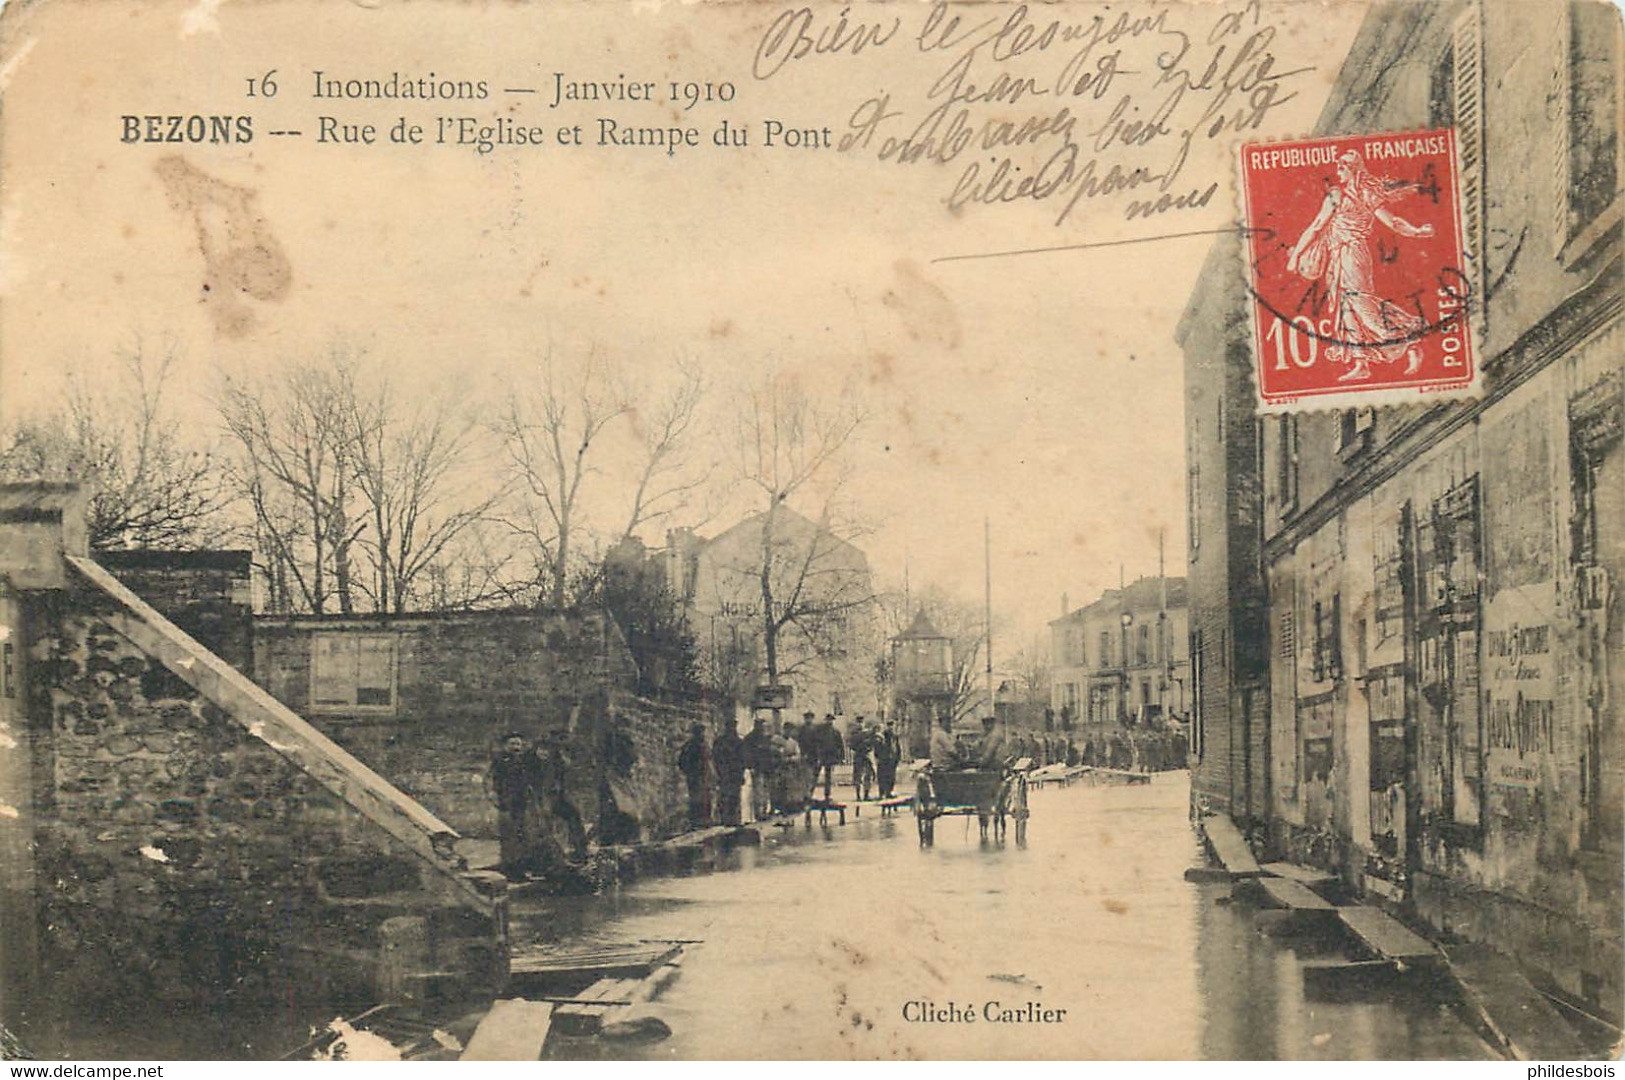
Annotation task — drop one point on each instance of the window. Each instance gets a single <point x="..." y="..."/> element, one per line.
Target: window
<point x="1584" y="100"/>
<point x="1327" y="659"/>
<point x="352" y="672"/>
<point x="8" y="677"/>
<point x="1198" y="658"/>
<point x="1193" y="505"/>
<point x="1105" y="648"/>
<point x="1466" y="57"/>
<point x="1354" y="427"/>
<point x="1142" y="647"/>
<point x="1286" y="463"/>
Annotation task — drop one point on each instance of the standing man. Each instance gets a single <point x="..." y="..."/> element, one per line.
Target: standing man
<point x="860" y="740"/>
<point x="694" y="762"/>
<point x="514" y="782"/>
<point x="728" y="759"/>
<point x="758" y="745"/>
<point x="888" y="752"/>
<point x="831" y="750"/>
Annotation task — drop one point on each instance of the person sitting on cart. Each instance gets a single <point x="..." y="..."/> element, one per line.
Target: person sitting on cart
<point x="993" y="749"/>
<point x="944" y="751"/>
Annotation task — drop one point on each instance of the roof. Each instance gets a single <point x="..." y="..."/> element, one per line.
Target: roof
<point x="785" y="516"/>
<point x="1140" y="594"/>
<point x="920" y="628"/>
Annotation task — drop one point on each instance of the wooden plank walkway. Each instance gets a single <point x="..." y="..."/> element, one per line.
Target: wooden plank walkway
<point x="895" y="803"/>
<point x="1386" y="936"/>
<point x="1123" y="775"/>
<point x="603" y="960"/>
<point x="584" y="1014"/>
<point x="1307" y="876"/>
<point x="824" y="807"/>
<point x="1286" y="893"/>
<point x="1229" y="847"/>
<point x="514" y="1030"/>
<point x="1515" y="1013"/>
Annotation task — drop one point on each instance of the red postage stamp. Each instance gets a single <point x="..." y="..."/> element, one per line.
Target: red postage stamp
<point x="1357" y="272"/>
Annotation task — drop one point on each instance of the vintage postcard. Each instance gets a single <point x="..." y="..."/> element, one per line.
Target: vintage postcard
<point x="895" y="530"/>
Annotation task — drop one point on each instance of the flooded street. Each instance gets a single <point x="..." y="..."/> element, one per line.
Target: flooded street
<point x="844" y="941"/>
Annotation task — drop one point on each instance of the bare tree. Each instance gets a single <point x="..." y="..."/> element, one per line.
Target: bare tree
<point x="408" y="460"/>
<point x="555" y="436"/>
<point x="296" y="469"/>
<point x="1030" y="671"/>
<point x="356" y="491"/>
<point x="788" y="446"/>
<point x="147" y="487"/>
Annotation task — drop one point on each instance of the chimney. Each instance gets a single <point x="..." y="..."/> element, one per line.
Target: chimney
<point x="1065" y="607"/>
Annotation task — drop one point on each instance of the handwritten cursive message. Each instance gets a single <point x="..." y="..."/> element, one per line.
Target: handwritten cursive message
<point x="1030" y="107"/>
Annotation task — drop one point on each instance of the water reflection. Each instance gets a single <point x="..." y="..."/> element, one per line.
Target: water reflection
<point x="821" y="942"/>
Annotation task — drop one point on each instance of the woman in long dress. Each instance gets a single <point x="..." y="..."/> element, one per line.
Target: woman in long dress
<point x="1335" y="250"/>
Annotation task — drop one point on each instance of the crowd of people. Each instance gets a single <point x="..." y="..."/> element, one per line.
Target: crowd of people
<point x="787" y="766"/>
<point x="775" y="768"/>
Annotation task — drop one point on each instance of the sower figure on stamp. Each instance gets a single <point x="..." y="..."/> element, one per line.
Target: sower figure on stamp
<point x="1335" y="251"/>
<point x="514" y="782"/>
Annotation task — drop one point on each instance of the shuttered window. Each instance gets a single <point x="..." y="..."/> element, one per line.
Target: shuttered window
<point x="1467" y="64"/>
<point x="350" y="671"/>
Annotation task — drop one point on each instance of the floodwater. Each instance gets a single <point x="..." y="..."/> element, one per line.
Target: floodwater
<point x="845" y="942"/>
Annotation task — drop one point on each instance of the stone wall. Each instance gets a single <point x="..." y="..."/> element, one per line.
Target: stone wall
<point x="208" y="594"/>
<point x="462" y="681"/>
<point x="184" y="863"/>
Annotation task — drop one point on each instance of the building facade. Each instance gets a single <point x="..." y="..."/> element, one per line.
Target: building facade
<point x="1415" y="609"/>
<point x="1122" y="660"/>
<point x="827" y="643"/>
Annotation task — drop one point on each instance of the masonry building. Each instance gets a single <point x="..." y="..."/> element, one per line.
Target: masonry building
<point x="1122" y="660"/>
<point x="1406" y="621"/>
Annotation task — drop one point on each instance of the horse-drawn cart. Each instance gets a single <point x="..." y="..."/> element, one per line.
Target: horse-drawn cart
<point x="990" y="794"/>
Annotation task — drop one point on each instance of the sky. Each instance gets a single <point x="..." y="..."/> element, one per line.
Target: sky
<point x="1041" y="392"/>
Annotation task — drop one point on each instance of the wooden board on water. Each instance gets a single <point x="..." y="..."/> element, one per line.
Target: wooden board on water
<point x="1229" y="846"/>
<point x="1285" y="893"/>
<point x="1304" y="875"/>
<point x="586" y="1014"/>
<point x="1385" y="935"/>
<point x="514" y="1030"/>
<point x="606" y="959"/>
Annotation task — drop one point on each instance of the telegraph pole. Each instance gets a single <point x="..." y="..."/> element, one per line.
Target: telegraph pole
<point x="987" y="565"/>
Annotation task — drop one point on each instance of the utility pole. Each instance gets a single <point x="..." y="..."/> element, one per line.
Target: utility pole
<point x="1163" y="650"/>
<point x="987" y="565"/>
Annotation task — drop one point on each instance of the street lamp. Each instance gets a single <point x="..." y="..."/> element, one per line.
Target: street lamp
<point x="1122" y="697"/>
